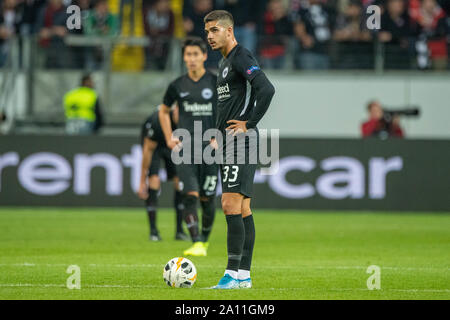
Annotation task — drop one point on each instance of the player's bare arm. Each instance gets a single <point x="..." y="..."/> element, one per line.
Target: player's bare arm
<point x="164" y="119"/>
<point x="148" y="148"/>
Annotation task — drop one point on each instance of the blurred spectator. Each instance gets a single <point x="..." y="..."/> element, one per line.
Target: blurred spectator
<point x="99" y="22"/>
<point x="159" y="26"/>
<point x="10" y="20"/>
<point x="82" y="109"/>
<point x="246" y="14"/>
<point x="377" y="126"/>
<point x="193" y="12"/>
<point x="354" y="49"/>
<point x="85" y="7"/>
<point x="51" y="27"/>
<point x="313" y="26"/>
<point x="275" y="30"/>
<point x="350" y="25"/>
<point x="397" y="31"/>
<point x="433" y="32"/>
<point x="31" y="10"/>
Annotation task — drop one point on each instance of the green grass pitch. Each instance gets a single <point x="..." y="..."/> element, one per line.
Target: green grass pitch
<point x="298" y="255"/>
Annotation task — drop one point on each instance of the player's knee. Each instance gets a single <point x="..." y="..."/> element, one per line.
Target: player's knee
<point x="208" y="202"/>
<point x="154" y="182"/>
<point x="176" y="183"/>
<point x="246" y="210"/>
<point x="207" y="198"/>
<point x="190" y="203"/>
<point x="230" y="206"/>
<point x="193" y="194"/>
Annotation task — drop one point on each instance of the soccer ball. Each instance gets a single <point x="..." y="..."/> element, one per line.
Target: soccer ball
<point x="180" y="273"/>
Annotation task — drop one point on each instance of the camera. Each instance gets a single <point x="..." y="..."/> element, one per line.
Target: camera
<point x="407" y="112"/>
<point x="386" y="123"/>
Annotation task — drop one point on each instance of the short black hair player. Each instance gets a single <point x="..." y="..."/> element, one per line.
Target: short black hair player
<point x="244" y="95"/>
<point x="155" y="150"/>
<point x="196" y="98"/>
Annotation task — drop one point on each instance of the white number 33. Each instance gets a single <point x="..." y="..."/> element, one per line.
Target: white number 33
<point x="234" y="173"/>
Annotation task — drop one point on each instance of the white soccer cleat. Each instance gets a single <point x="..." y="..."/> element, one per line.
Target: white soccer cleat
<point x="245" y="284"/>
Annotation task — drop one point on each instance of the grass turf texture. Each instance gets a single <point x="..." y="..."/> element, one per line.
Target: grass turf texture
<point x="298" y="255"/>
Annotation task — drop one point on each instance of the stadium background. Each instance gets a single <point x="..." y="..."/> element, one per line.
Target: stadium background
<point x="321" y="99"/>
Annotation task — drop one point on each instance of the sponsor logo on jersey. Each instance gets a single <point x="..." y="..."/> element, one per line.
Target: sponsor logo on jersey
<point x="184" y="94"/>
<point x="225" y="72"/>
<point x="223" y="91"/>
<point x="207" y="93"/>
<point x="198" y="109"/>
<point x="252" y="69"/>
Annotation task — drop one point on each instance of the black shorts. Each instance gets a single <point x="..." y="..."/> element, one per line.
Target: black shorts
<point x="238" y="178"/>
<point x="238" y="175"/>
<point x="201" y="178"/>
<point x="162" y="153"/>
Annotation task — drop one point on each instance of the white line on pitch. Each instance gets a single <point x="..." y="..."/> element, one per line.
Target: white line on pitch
<point x="84" y="286"/>
<point x="27" y="264"/>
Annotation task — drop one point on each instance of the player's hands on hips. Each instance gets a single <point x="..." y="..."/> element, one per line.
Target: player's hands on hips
<point x="143" y="192"/>
<point x="236" y="126"/>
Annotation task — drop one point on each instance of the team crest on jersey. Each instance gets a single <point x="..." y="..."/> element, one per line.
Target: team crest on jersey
<point x="225" y="73"/>
<point x="207" y="93"/>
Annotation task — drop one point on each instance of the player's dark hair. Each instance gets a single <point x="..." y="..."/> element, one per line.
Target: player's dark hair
<point x="195" y="41"/>
<point x="219" y="15"/>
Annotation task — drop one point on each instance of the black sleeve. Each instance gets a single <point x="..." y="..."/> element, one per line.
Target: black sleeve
<point x="215" y="99"/>
<point x="245" y="64"/>
<point x="143" y="133"/>
<point x="264" y="94"/>
<point x="248" y="67"/>
<point x="98" y="116"/>
<point x="149" y="129"/>
<point x="171" y="95"/>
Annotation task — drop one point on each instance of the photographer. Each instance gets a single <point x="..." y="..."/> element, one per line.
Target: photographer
<point x="380" y="124"/>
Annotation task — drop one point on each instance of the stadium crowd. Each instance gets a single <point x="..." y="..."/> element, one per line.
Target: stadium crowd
<point x="319" y="34"/>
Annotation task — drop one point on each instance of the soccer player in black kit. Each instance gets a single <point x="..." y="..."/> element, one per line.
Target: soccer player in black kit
<point x="155" y="150"/>
<point x="244" y="95"/>
<point x="196" y="99"/>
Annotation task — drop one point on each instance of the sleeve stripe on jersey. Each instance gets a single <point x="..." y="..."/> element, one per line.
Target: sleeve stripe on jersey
<point x="247" y="97"/>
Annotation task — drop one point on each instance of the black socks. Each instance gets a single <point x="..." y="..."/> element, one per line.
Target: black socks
<point x="235" y="240"/>
<point x="249" y="243"/>
<point x="208" y="215"/>
<point x="179" y="207"/>
<point x="191" y="217"/>
<point x="152" y="203"/>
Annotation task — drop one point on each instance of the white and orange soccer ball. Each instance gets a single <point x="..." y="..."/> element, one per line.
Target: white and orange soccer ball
<point x="180" y="272"/>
